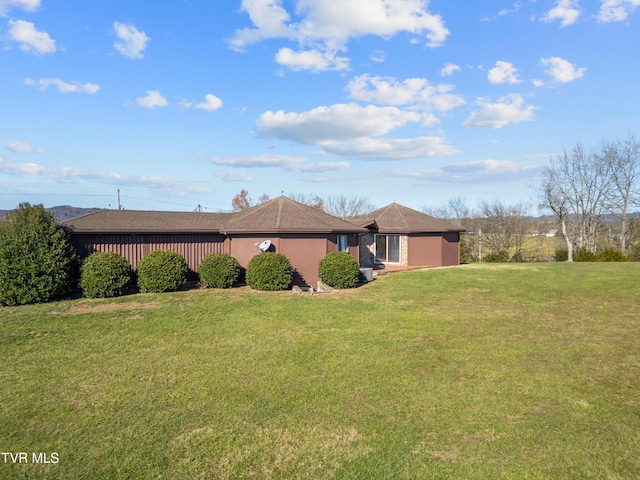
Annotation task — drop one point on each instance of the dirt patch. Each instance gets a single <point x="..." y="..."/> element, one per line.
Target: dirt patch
<point x="83" y="308"/>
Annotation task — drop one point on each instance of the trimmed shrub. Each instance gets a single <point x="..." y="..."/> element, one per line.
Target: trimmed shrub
<point x="104" y="274"/>
<point x="562" y="255"/>
<point x="162" y="271"/>
<point x="219" y="270"/>
<point x="339" y="270"/>
<point x="269" y="271"/>
<point x="611" y="255"/>
<point x="37" y="263"/>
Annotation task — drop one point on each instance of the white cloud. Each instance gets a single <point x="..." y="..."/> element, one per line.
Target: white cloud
<point x="234" y="177"/>
<point x="31" y="39"/>
<point x="508" y="11"/>
<point x="27" y="5"/>
<point x="63" y="87"/>
<point x="503" y="72"/>
<point x="18" y="146"/>
<point x="412" y="91"/>
<point x="337" y="122"/>
<point x="616" y="10"/>
<point x="566" y="11"/>
<point x="379" y="56"/>
<point x="288" y="162"/>
<point x="70" y="175"/>
<point x="153" y="99"/>
<point x="327" y="29"/>
<point x="391" y="148"/>
<point x="449" y="69"/>
<point x="313" y="60"/>
<point x="560" y="70"/>
<point x="507" y="110"/>
<point x="131" y="42"/>
<point x="211" y="103"/>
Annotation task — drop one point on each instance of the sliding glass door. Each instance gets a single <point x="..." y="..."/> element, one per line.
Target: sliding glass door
<point x="387" y="248"/>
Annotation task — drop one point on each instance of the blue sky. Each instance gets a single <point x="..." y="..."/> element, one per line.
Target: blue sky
<point x="184" y="102"/>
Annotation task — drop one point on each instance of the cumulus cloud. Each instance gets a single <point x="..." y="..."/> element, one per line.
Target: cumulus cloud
<point x="63" y="87"/>
<point x="503" y="72"/>
<point x="31" y="40"/>
<point x="391" y="148"/>
<point x="153" y="99"/>
<point x="562" y="71"/>
<point x="449" y="69"/>
<point x="211" y="103"/>
<point x="337" y="122"/>
<point x="566" y="11"/>
<point x="412" y="91"/>
<point x="616" y="10"/>
<point x="508" y="110"/>
<point x="313" y="60"/>
<point x="18" y="146"/>
<point x="130" y="42"/>
<point x="27" y="5"/>
<point x="328" y="29"/>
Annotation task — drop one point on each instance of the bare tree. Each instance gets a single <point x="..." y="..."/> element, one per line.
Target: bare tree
<point x="576" y="187"/>
<point x="348" y="206"/>
<point x="311" y="200"/>
<point x="504" y="227"/>
<point x="623" y="159"/>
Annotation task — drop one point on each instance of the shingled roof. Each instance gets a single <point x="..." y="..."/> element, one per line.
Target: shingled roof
<point x="137" y="221"/>
<point x="283" y="215"/>
<point x="396" y="218"/>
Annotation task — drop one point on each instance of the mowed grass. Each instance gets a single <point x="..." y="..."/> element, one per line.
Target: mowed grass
<point x="518" y="371"/>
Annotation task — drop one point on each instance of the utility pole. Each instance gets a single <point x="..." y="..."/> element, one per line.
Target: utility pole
<point x="119" y="206"/>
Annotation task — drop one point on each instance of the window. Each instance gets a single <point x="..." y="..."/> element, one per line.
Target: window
<point x="343" y="243"/>
<point x="387" y="248"/>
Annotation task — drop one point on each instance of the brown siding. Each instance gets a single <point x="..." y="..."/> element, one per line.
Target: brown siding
<point x="303" y="251"/>
<point x="425" y="249"/>
<point x="451" y="249"/>
<point x="193" y="247"/>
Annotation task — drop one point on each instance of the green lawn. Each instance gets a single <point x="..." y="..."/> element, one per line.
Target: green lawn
<point x="518" y="371"/>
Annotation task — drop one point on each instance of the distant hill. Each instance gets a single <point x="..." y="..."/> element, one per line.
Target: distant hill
<point x="62" y="212"/>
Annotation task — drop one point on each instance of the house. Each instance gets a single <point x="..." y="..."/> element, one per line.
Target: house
<point x="391" y="235"/>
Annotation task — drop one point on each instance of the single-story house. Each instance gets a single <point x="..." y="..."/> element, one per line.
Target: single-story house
<point x="391" y="235"/>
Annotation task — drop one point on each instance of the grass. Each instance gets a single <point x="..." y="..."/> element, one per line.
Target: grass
<point x="516" y="371"/>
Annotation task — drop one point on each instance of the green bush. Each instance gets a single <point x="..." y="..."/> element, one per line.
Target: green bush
<point x="497" y="257"/>
<point x="339" y="270"/>
<point x="611" y="255"/>
<point x="584" y="256"/>
<point x="104" y="274"/>
<point x="219" y="270"/>
<point x="37" y="263"/>
<point x="162" y="271"/>
<point x="562" y="255"/>
<point x="269" y="271"/>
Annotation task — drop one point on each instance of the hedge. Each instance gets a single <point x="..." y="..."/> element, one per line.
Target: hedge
<point x="162" y="271"/>
<point x="269" y="271"/>
<point x="339" y="270"/>
<point x="104" y="274"/>
<point x="219" y="270"/>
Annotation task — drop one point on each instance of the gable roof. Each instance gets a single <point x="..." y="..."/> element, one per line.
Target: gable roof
<point x="396" y="218"/>
<point x="282" y="215"/>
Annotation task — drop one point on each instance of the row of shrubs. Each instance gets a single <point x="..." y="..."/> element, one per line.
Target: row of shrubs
<point x="607" y="255"/>
<point x="108" y="274"/>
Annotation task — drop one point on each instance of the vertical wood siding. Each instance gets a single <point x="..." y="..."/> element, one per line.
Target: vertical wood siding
<point x="193" y="247"/>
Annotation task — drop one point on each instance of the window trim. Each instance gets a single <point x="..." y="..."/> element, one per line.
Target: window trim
<point x="386" y="253"/>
